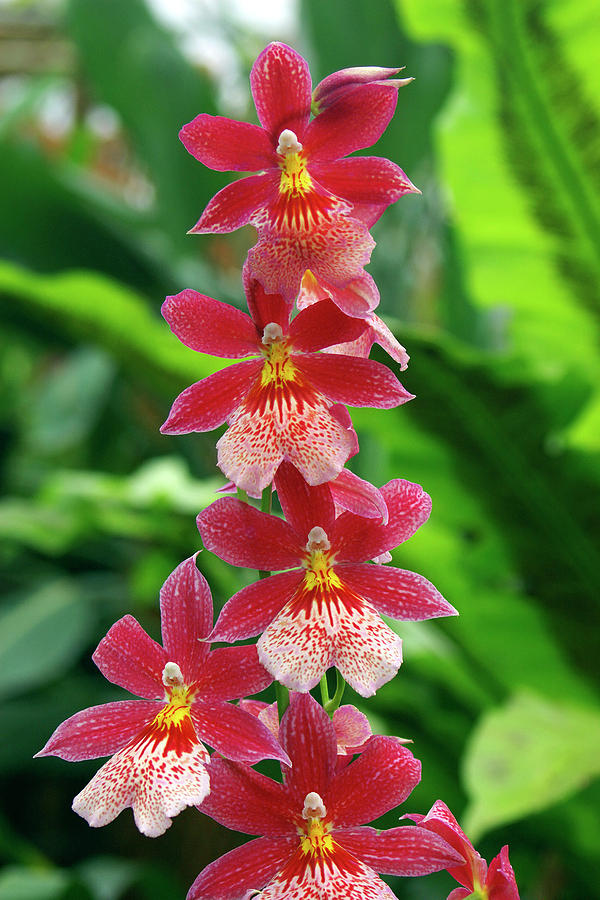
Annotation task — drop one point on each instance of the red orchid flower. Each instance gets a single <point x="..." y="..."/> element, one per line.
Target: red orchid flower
<point x="311" y="208"/>
<point x="325" y="611"/>
<point x="159" y="764"/>
<point x="478" y="881"/>
<point x="314" y="845"/>
<point x="285" y="404"/>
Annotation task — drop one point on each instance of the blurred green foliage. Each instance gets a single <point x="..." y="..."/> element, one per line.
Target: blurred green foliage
<point x="490" y="279"/>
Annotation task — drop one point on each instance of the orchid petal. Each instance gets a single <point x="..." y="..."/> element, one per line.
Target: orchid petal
<point x="249" y="611"/>
<point x="242" y="871"/>
<point x="378" y="780"/>
<point x="367" y="180"/>
<point x="100" y="730"/>
<point x="335" y="250"/>
<point x="407" y="851"/>
<point x="358" y="496"/>
<point x="308" y="735"/>
<point x="209" y="326"/>
<point x="232" y="672"/>
<point x="244" y="800"/>
<point x="355" y="381"/>
<point x="357" y="539"/>
<point x="237" y="204"/>
<point x="313" y="327"/>
<point x="281" y="87"/>
<point x="227" y="145"/>
<point x="354" y="122"/>
<point x="157" y="782"/>
<point x="127" y="656"/>
<point x="303" y="506"/>
<point x="208" y="403"/>
<point x="396" y="592"/>
<point x="243" y="536"/>
<point x="234" y="733"/>
<point x="186" y="614"/>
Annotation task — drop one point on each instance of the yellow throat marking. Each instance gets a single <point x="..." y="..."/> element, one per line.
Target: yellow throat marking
<point x="317" y="841"/>
<point x="294" y="180"/>
<point x="319" y="573"/>
<point x="278" y="367"/>
<point x="176" y="710"/>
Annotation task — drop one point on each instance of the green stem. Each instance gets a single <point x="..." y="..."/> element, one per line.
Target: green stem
<point x="242" y="495"/>
<point x="265" y="506"/>
<point x="340" y="686"/>
<point x="283" y="699"/>
<point x="324" y="691"/>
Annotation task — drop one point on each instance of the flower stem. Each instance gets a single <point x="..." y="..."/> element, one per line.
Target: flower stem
<point x="324" y="691"/>
<point x="340" y="687"/>
<point x="242" y="495"/>
<point x="266" y="502"/>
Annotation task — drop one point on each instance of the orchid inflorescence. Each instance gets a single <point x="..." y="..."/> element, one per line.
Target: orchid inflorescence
<point x="304" y="346"/>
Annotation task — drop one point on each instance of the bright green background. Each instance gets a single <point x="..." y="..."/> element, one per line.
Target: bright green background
<point x="490" y="279"/>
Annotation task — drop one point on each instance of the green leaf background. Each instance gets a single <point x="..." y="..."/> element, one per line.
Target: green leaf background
<point x="490" y="278"/>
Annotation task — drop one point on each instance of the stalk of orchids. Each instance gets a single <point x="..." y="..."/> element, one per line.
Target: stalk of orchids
<point x="304" y="345"/>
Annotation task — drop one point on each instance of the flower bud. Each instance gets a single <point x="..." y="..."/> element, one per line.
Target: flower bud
<point x="339" y="84"/>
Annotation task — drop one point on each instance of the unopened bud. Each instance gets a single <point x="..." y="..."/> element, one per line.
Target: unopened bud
<point x="338" y="84"/>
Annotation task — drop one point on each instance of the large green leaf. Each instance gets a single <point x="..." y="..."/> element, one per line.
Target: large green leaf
<point x="90" y="306"/>
<point x="523" y="192"/>
<point x="525" y="756"/>
<point x="41" y="635"/>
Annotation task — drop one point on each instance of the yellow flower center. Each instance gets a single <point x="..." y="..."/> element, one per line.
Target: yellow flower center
<point x="317" y="841"/>
<point x="176" y="711"/>
<point x="295" y="180"/>
<point x="278" y="367"/>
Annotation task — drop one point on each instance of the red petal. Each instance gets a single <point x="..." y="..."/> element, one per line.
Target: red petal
<point x="244" y="800"/>
<point x="501" y="883"/>
<point x="186" y="615"/>
<point x="358" y="496"/>
<point x="364" y="179"/>
<point x="234" y="733"/>
<point x="356" y="539"/>
<point x="209" y="326"/>
<point x="233" y="672"/>
<point x="352" y="380"/>
<point x="100" y="730"/>
<point x="322" y="324"/>
<point x="249" y="611"/>
<point x="352" y="728"/>
<point x="396" y="592"/>
<point x="236" y="204"/>
<point x="208" y="403"/>
<point x="281" y="87"/>
<point x="380" y="779"/>
<point x="127" y="656"/>
<point x="264" y="308"/>
<point x="226" y="145"/>
<point x="243" y="536"/>
<point x="354" y="122"/>
<point x="335" y="251"/>
<point x="308" y="735"/>
<point x="246" y="869"/>
<point x="399" y="851"/>
<point x="303" y="506"/>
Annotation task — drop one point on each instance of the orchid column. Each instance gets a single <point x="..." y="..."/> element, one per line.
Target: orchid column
<point x="304" y="346"/>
